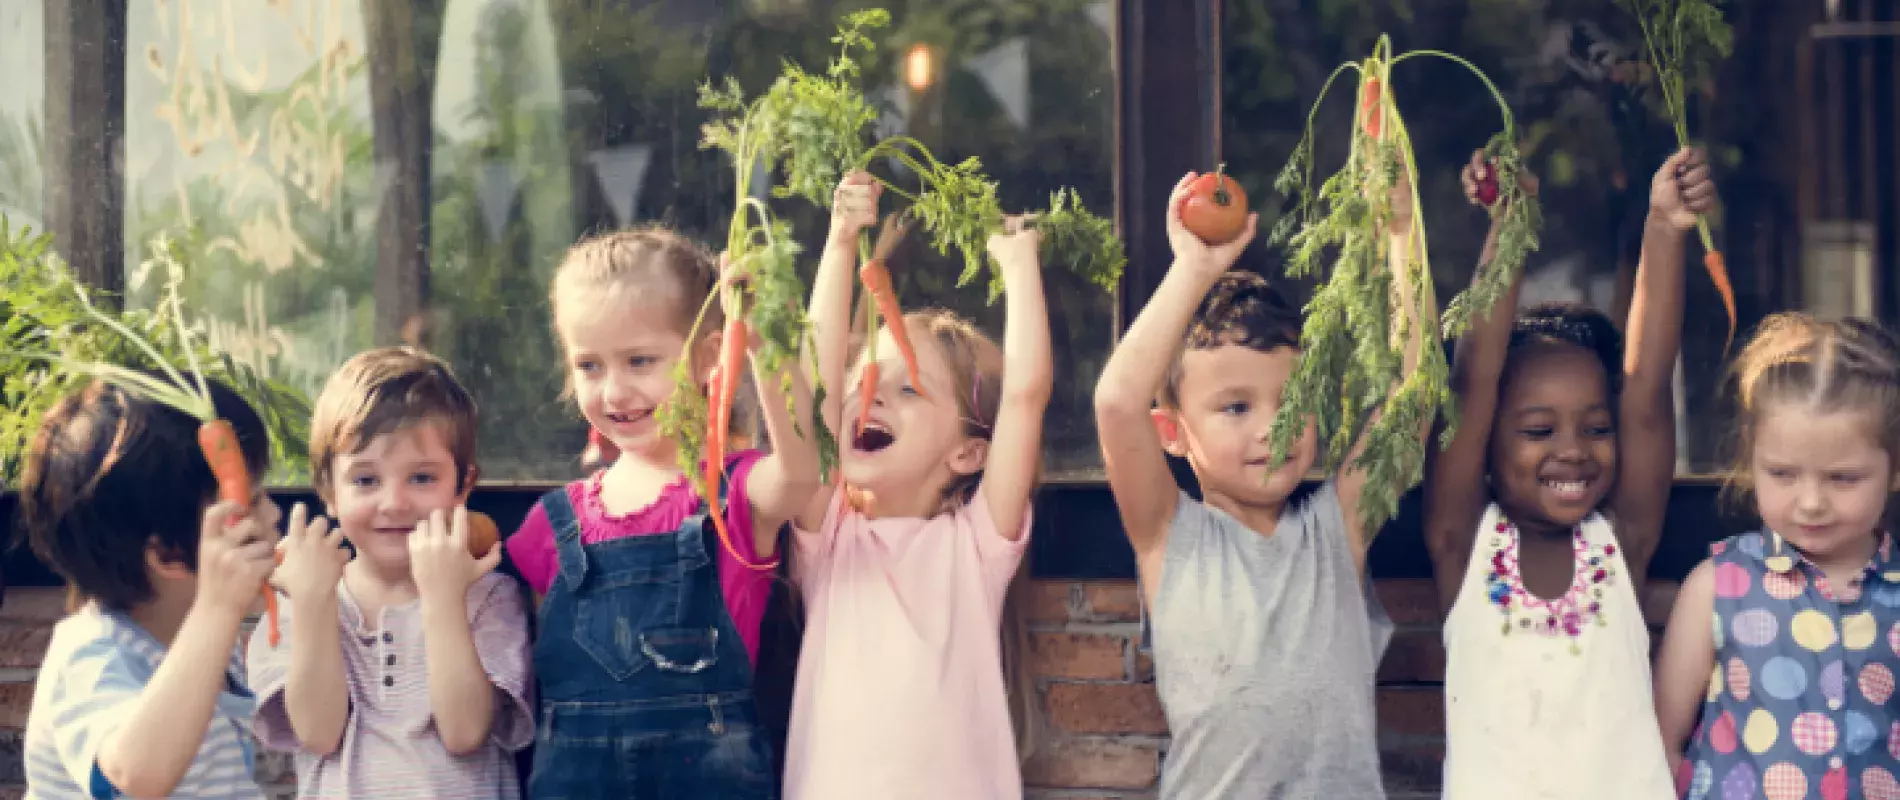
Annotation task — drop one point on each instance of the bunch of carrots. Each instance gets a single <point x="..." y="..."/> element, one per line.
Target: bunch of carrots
<point x="1352" y="346"/>
<point x="1682" y="36"/>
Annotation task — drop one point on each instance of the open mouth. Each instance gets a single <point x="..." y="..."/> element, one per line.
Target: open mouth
<point x="872" y="437"/>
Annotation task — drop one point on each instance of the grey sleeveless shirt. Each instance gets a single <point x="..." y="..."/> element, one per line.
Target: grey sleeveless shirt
<point x="1265" y="652"/>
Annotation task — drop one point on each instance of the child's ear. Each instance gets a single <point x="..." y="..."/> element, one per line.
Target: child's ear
<point x="1168" y="427"/>
<point x="163" y="565"/>
<point x="468" y="484"/>
<point x="969" y="456"/>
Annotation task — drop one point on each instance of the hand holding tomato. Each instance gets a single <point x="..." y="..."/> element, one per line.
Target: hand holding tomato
<point x="1193" y="250"/>
<point x="1215" y="208"/>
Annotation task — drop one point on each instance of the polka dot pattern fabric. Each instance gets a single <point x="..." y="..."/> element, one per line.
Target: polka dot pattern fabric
<point x="1797" y="707"/>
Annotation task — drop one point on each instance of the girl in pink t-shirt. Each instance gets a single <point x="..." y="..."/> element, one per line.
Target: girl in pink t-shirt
<point x="649" y="620"/>
<point x="905" y="562"/>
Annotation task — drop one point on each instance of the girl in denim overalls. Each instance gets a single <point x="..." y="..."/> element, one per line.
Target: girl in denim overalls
<point x="649" y="620"/>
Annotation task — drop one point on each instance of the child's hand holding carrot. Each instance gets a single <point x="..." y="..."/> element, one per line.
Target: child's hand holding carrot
<point x="1682" y="190"/>
<point x="1016" y="246"/>
<point x="313" y="557"/>
<point x="236" y="553"/>
<point x="1480" y="178"/>
<point x="854" y="204"/>
<point x="439" y="560"/>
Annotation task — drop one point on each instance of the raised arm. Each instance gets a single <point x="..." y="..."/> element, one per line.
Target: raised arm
<point x="1686" y="660"/>
<point x="1137" y="467"/>
<point x="1455" y="492"/>
<point x="1015" y="456"/>
<point x="785" y="483"/>
<point x="1646" y="419"/>
<point x="853" y="208"/>
<point x="1351" y="482"/>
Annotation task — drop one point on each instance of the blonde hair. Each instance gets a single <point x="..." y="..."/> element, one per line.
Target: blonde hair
<point x="650" y="258"/>
<point x="383" y="390"/>
<point x="1819" y="367"/>
<point x="659" y="263"/>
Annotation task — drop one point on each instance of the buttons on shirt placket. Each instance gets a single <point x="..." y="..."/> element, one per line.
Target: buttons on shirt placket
<point x="388" y="658"/>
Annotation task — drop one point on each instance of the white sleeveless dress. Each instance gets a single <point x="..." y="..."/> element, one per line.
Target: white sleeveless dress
<point x="1529" y="719"/>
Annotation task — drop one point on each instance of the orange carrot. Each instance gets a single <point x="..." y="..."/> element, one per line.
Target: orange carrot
<point x="867" y="390"/>
<point x="219" y="443"/>
<point x="877" y="281"/>
<point x="1718" y="274"/>
<point x="1369" y="108"/>
<point x="723" y="389"/>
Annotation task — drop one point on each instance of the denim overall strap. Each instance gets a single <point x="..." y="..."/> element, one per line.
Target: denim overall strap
<point x="567" y="536"/>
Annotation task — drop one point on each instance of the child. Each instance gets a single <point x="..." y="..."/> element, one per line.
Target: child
<point x="1264" y="643"/>
<point x="141" y="691"/>
<point x="905" y="561"/>
<point x="649" y="620"/>
<point x="1794" y="688"/>
<point x="1541" y="517"/>
<point x="405" y="669"/>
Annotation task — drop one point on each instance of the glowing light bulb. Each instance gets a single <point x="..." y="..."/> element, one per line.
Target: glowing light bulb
<point x="917" y="67"/>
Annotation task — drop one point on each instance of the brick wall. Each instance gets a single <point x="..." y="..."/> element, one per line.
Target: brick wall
<point x="1104" y="735"/>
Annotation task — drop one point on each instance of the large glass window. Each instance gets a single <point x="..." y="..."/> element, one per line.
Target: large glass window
<point x="1799" y="123"/>
<point x="343" y="175"/>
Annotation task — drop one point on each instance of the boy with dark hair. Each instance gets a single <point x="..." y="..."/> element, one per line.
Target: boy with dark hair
<point x="141" y="691"/>
<point x="1266" y="636"/>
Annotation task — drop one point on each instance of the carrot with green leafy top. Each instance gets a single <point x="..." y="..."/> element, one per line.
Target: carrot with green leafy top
<point x="217" y="440"/>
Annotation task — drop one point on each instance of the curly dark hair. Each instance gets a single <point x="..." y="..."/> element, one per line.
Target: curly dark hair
<point x="1570" y="324"/>
<point x="1243" y="309"/>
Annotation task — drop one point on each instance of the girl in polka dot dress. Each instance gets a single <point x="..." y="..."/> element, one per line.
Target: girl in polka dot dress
<point x="1789" y="698"/>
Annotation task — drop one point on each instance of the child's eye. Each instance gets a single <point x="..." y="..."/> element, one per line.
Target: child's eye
<point x="642" y="362"/>
<point x="586" y="366"/>
<point x="1602" y="431"/>
<point x="908" y="389"/>
<point x="1844" y="478"/>
<point x="1780" y="473"/>
<point x="423" y="479"/>
<point x="1537" y="432"/>
<point x="1235" y="409"/>
<point x="364" y="481"/>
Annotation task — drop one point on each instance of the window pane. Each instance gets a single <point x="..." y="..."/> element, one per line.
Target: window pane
<point x="1805" y="168"/>
<point x="22" y="111"/>
<point x="331" y="194"/>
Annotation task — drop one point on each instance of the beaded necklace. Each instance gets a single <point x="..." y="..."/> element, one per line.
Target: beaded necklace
<point x="1568" y="615"/>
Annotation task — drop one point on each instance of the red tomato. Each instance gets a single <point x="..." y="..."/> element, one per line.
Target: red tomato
<point x="1216" y="208"/>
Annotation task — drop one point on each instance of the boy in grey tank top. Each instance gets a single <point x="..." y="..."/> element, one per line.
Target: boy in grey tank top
<point x="1266" y="636"/>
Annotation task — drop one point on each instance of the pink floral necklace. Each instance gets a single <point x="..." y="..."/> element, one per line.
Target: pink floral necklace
<point x="1568" y="615"/>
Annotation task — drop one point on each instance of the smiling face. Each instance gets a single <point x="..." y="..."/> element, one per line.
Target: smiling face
<point x="621" y="352"/>
<point x="1820" y="480"/>
<point x="1229" y="395"/>
<point x="1553" y="445"/>
<point x="913" y="444"/>
<point x="383" y="491"/>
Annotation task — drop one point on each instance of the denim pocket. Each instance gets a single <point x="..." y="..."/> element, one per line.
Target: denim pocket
<point x="611" y="619"/>
<point x="681" y="650"/>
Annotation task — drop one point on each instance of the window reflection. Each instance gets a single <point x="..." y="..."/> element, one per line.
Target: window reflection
<point x="350" y="174"/>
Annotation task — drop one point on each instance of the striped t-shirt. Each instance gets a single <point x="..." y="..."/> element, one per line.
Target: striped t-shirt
<point x="96" y="666"/>
<point x="390" y="748"/>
